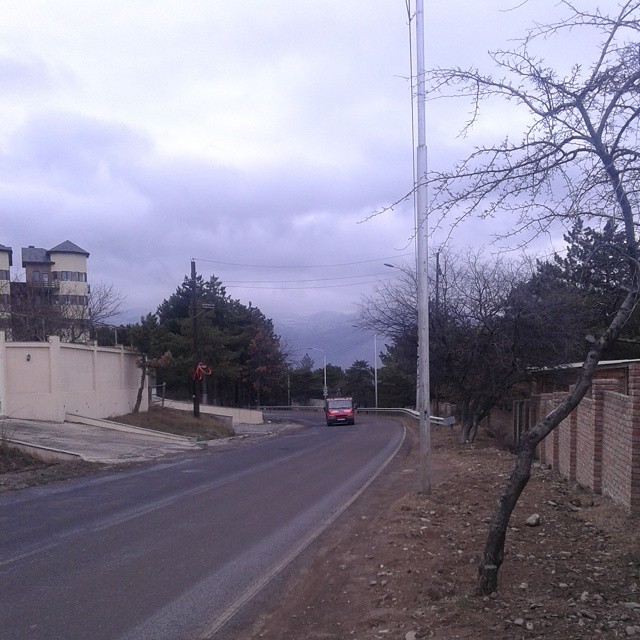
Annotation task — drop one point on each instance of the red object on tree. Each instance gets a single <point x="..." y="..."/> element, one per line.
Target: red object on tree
<point x="201" y="370"/>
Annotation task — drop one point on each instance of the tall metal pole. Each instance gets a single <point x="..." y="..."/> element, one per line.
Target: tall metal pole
<point x="325" y="391"/>
<point x="194" y="332"/>
<point x="422" y="235"/>
<point x="324" y="368"/>
<point x="375" y="366"/>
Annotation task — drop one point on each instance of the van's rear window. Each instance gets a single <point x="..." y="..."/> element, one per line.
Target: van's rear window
<point x="339" y="404"/>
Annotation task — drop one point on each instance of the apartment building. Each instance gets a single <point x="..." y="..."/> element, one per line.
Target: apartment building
<point x="53" y="298"/>
<point x="6" y="260"/>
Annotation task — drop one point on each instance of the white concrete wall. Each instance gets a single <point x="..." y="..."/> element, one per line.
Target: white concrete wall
<point x="46" y="380"/>
<point x="237" y="415"/>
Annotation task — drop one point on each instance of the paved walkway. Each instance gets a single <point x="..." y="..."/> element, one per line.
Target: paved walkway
<point x="111" y="442"/>
<point x="93" y="443"/>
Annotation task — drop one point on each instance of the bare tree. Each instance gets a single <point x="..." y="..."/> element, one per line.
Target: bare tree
<point x="79" y="321"/>
<point x="577" y="157"/>
<point x="392" y="309"/>
<point x="32" y="312"/>
<point x="491" y="320"/>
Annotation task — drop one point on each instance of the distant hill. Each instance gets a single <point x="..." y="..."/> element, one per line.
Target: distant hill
<point x="331" y="331"/>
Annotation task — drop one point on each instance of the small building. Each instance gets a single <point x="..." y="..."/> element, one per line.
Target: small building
<point x="6" y="255"/>
<point x="54" y="296"/>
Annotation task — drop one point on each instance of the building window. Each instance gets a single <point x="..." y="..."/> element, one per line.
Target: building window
<point x="35" y="276"/>
<point x="4" y="274"/>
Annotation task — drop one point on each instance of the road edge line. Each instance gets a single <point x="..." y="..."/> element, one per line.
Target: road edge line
<point x="256" y="587"/>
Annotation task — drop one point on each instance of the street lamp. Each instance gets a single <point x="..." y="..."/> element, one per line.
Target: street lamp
<point x="375" y="367"/>
<point x="422" y="253"/>
<point x="407" y="272"/>
<point x="325" y="391"/>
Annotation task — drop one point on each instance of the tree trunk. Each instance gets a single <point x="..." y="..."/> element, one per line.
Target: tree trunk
<point x="465" y="429"/>
<point x="466" y="419"/>
<point x="475" y="423"/>
<point x="494" y="546"/>
<point x="143" y="367"/>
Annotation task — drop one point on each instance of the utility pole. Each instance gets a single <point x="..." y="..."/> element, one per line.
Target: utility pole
<point x="375" y="367"/>
<point x="325" y="390"/>
<point x="194" y="332"/>
<point x="437" y="281"/>
<point x="422" y="239"/>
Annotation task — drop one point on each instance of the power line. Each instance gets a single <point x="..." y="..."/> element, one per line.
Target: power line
<point x="366" y="275"/>
<point x="304" y="266"/>
<point x="327" y="286"/>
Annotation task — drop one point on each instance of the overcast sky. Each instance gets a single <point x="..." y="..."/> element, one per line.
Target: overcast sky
<point x="258" y="137"/>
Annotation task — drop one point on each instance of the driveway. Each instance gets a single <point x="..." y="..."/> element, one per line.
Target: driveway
<point x="111" y="443"/>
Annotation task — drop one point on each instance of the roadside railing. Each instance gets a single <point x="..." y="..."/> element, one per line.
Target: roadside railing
<point x="157" y="394"/>
<point x="411" y="413"/>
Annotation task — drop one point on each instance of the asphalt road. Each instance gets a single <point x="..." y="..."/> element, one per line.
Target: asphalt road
<point x="172" y="550"/>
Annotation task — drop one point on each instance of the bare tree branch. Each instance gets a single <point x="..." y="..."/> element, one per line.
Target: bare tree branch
<point x="577" y="157"/>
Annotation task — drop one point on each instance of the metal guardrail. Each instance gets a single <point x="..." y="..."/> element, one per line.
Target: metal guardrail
<point x="411" y="413"/>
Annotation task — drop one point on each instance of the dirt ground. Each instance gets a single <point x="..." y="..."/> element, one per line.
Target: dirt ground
<point x="402" y="565"/>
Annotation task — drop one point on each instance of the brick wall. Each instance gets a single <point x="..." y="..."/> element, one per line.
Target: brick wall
<point x="588" y="446"/>
<point x="551" y="444"/>
<point x="617" y="447"/>
<point x="598" y="445"/>
<point x="567" y="446"/>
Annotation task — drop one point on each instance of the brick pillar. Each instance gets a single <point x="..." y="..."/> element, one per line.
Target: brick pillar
<point x="634" y="392"/>
<point x="599" y="388"/>
<point x="534" y="412"/>
<point x="558" y="397"/>
<point x="573" y="443"/>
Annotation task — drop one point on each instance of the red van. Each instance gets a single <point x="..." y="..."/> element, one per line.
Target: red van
<point x="339" y="411"/>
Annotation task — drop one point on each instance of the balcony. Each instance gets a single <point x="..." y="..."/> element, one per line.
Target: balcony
<point x="51" y="285"/>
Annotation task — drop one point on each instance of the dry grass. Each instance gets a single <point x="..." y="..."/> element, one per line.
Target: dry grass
<point x="182" y="423"/>
<point x="12" y="459"/>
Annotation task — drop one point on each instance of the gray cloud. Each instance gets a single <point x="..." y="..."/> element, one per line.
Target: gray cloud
<point x="253" y="133"/>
